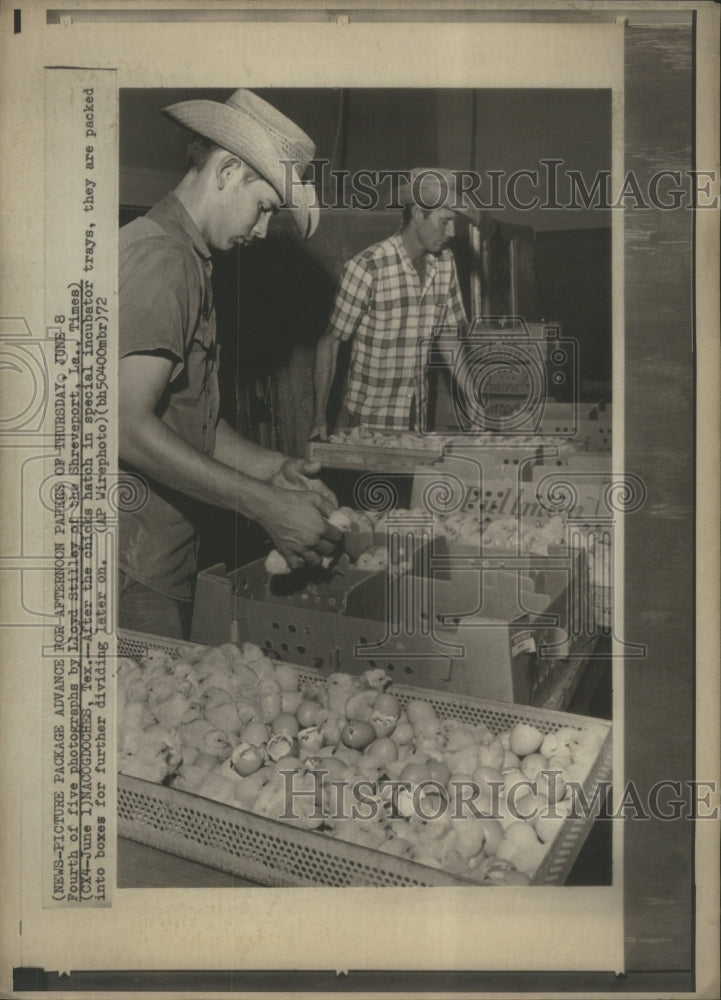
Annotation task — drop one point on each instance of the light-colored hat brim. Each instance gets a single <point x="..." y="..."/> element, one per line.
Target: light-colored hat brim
<point x="244" y="136"/>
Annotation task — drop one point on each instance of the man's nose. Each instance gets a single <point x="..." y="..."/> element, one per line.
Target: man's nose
<point x="260" y="229"/>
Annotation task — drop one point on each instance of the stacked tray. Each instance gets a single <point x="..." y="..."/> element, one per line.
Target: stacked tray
<point x="372" y="458"/>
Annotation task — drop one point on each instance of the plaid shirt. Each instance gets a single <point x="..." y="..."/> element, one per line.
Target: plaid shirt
<point x="382" y="304"/>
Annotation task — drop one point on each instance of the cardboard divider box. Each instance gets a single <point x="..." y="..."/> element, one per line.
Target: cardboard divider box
<point x="490" y="630"/>
<point x="315" y="590"/>
<point x="578" y="492"/>
<point x="587" y="428"/>
<point x="587" y="475"/>
<point x="593" y="462"/>
<point x="544" y="599"/>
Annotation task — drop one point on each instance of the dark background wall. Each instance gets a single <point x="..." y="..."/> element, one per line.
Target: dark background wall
<point x="574" y="284"/>
<point x="394" y="129"/>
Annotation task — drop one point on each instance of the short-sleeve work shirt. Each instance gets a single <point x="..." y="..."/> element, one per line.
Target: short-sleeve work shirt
<point x="166" y="306"/>
<point x="388" y="311"/>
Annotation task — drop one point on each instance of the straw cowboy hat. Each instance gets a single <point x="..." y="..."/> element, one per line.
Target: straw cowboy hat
<point x="263" y="137"/>
<point x="430" y="187"/>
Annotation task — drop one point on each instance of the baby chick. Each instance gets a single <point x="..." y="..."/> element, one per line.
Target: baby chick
<point x="220" y="711"/>
<point x="178" y="707"/>
<point x="214" y="748"/>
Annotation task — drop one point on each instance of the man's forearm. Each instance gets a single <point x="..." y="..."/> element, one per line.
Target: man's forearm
<point x="155" y="449"/>
<point x="326" y="356"/>
<point x="245" y="456"/>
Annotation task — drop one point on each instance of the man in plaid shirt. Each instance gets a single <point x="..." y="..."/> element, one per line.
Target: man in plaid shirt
<point x="392" y="297"/>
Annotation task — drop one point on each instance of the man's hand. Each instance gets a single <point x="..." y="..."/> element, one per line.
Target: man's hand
<point x="293" y="475"/>
<point x="319" y="431"/>
<point x="296" y="521"/>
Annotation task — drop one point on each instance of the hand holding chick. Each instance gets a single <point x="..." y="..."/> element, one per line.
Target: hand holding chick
<point x="277" y="565"/>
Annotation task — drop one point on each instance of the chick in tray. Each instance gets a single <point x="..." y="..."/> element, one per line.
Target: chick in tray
<point x="378" y="439"/>
<point x="179" y="706"/>
<point x="346" y="729"/>
<point x="154" y="754"/>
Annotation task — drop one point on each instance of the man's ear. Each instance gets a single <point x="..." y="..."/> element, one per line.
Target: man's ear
<point x="417" y="214"/>
<point x="226" y="166"/>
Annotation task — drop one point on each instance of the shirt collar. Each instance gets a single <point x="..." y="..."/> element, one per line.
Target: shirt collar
<point x="172" y="214"/>
<point x="431" y="263"/>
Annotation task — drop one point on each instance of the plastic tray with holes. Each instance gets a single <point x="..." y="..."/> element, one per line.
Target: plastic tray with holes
<point x="272" y="853"/>
<point x="500" y="454"/>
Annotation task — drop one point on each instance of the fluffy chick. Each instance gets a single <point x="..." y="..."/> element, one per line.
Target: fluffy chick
<point x="219" y="710"/>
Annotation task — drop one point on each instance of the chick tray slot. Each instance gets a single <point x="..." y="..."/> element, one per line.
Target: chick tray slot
<point x="489" y="629"/>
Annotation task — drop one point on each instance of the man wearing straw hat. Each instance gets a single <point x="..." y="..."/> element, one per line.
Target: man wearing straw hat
<point x="393" y="296"/>
<point x="170" y="433"/>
